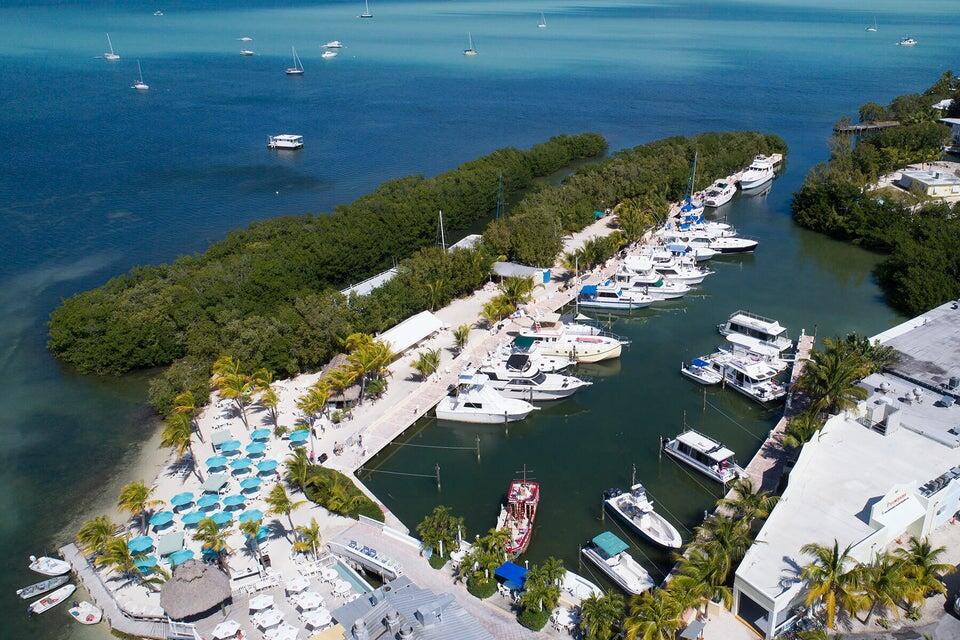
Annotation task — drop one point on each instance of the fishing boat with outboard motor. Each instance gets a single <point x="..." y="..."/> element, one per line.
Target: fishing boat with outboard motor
<point x="42" y="587"/>
<point x="636" y="509"/>
<point x="51" y="600"/>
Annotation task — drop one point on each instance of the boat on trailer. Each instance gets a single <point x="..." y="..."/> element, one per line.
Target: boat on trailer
<point x="518" y="515"/>
<point x="703" y="454"/>
<point x="609" y="553"/>
<point x="636" y="509"/>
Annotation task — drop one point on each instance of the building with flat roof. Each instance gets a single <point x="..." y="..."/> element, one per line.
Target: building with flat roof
<point x="886" y="470"/>
<point x="936" y="184"/>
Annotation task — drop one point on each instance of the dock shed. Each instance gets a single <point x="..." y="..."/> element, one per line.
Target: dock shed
<point x="411" y="331"/>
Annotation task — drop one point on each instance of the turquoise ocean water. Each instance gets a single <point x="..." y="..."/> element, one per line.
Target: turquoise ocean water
<point x="97" y="178"/>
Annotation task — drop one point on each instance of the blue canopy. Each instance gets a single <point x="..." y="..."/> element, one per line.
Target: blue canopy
<point x="207" y="501"/>
<point x="256" y="448"/>
<point x="161" y="518"/>
<point x="193" y="517"/>
<point x="241" y="463"/>
<point x="252" y="514"/>
<point x="179" y="557"/>
<point x="250" y="483"/>
<point x="140" y="544"/>
<point x="215" y="462"/>
<point x="181" y="499"/>
<point x="609" y="544"/>
<point x="221" y="518"/>
<point x="148" y="562"/>
<point x="512" y="572"/>
<point x="588" y="290"/>
<point x="699" y="362"/>
<point x="233" y="501"/>
<point x="230" y="445"/>
<point x="260" y="434"/>
<point x="267" y="465"/>
<point x="300" y="436"/>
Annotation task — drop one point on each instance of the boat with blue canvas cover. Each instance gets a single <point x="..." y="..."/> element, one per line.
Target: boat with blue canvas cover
<point x="700" y="370"/>
<point x="609" y="553"/>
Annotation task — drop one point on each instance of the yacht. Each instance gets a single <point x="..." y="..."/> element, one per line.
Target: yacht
<point x="140" y="85"/>
<point x="767" y="331"/>
<point x="518" y="515"/>
<point x="246" y="52"/>
<point x="297" y="68"/>
<point x="575" y="589"/>
<point x="873" y="28"/>
<point x="560" y="339"/>
<point x="543" y="21"/>
<point x="691" y="208"/>
<point x="285" y="141"/>
<point x="333" y="44"/>
<point x="366" y="10"/>
<point x="701" y="370"/>
<point x="527" y="346"/>
<point x="703" y="454"/>
<point x="759" y="173"/>
<point x="723" y="244"/>
<point x="676" y="271"/>
<point x="326" y="55"/>
<point x="611" y="297"/>
<point x="636" y="509"/>
<point x="719" y="193"/>
<point x="111" y="55"/>
<point x="470" y="51"/>
<point x="519" y="377"/>
<point x="245" y="39"/>
<point x="907" y="42"/>
<point x="659" y="289"/>
<point x="473" y="400"/>
<point x="609" y="553"/>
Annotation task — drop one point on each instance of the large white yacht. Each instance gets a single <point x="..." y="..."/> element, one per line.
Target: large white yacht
<point x="611" y="297"/>
<point x="767" y="331"/>
<point x="555" y="338"/>
<point x="528" y="347"/>
<point x="724" y="244"/>
<point x="609" y="553"/>
<point x="519" y="377"/>
<point x="703" y="454"/>
<point x="659" y="289"/>
<point x="677" y="271"/>
<point x="637" y="511"/>
<point x="758" y="173"/>
<point x="719" y="193"/>
<point x="472" y="400"/>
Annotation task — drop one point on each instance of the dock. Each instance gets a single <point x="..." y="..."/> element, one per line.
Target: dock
<point x="866" y="126"/>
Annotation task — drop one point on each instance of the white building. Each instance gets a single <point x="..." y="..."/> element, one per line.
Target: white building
<point x="884" y="472"/>
<point x="936" y="184"/>
<point x="954" y="146"/>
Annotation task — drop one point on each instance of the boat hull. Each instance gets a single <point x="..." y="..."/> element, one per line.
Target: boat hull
<point x="670" y="541"/>
<point x="42" y="587"/>
<point x="608" y="571"/>
<point x="448" y="414"/>
<point x="705" y="378"/>
<point x="50" y="601"/>
<point x="541" y="395"/>
<point x="755" y="183"/>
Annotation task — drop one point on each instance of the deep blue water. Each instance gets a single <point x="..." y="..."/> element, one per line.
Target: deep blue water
<point x="97" y="178"/>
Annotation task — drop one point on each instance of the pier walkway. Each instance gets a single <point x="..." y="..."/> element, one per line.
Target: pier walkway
<point x="866" y="126"/>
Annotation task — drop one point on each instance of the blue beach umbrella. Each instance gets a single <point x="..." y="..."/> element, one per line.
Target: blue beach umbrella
<point x="252" y="514"/>
<point x="241" y="463"/>
<point x="233" y="501"/>
<point x="182" y="499"/>
<point x="253" y="482"/>
<point x="221" y="518"/>
<point x="161" y="518"/>
<point x="266" y="466"/>
<point x="140" y="544"/>
<point x="179" y="557"/>
<point x="192" y="518"/>
<point x="230" y="446"/>
<point x="146" y="564"/>
<point x="207" y="501"/>
<point x="260" y="434"/>
<point x="299" y="436"/>
<point x="256" y="448"/>
<point x="263" y="533"/>
<point x="215" y="462"/>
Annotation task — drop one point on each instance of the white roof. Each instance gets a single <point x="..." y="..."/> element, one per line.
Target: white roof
<point x="364" y="287"/>
<point x="702" y="443"/>
<point x="943" y="104"/>
<point x="757" y="322"/>
<point x="288" y="136"/>
<point x="411" y="331"/>
<point x="932" y="178"/>
<point x="753" y="344"/>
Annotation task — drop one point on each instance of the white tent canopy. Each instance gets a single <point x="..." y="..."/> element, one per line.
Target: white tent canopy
<point x="411" y="331"/>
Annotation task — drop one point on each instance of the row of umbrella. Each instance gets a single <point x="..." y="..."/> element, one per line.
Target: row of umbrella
<point x="221" y="462"/>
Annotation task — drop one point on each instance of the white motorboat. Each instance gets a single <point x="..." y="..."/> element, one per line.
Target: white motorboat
<point x="543" y="21"/>
<point x="42" y="587"/>
<point x="755" y="349"/>
<point x="759" y="173"/>
<point x="755" y="379"/>
<point x="158" y="12"/>
<point x="703" y="454"/>
<point x="470" y="51"/>
<point x="86" y="613"/>
<point x="725" y="244"/>
<point x="140" y="85"/>
<point x="611" y="297"/>
<point x="366" y="10"/>
<point x="524" y="345"/>
<point x="676" y="271"/>
<point x="473" y="400"/>
<point x="49" y="566"/>
<point x="285" y="141"/>
<point x="51" y="600"/>
<point x="660" y="289"/>
<point x="907" y="42"/>
<point x="555" y="338"/>
<point x="520" y="378"/>
<point x="297" y="68"/>
<point x="333" y="44"/>
<point x="719" y="193"/>
<point x="637" y="510"/>
<point x="701" y="370"/>
<point x="245" y="39"/>
<point x="246" y="52"/>
<point x="609" y="553"/>
<point x="111" y="55"/>
<point x="575" y="589"/>
<point x="326" y="55"/>
<point x="767" y="331"/>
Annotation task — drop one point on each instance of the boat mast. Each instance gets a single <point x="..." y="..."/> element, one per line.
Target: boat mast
<point x="693" y="175"/>
<point x="499" y="196"/>
<point x="470" y="40"/>
<point x="443" y="239"/>
<point x="109" y="43"/>
<point x="140" y="70"/>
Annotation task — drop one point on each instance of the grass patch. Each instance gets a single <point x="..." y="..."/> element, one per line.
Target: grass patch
<point x="337" y="493"/>
<point x="482" y="589"/>
<point x="437" y="561"/>
<point x="534" y="619"/>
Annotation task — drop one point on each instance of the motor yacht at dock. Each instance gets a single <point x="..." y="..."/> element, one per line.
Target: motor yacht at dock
<point x="472" y="400"/>
<point x="766" y="330"/>
<point x="526" y="346"/>
<point x="556" y="338"/>
<point x="758" y="173"/>
<point x="702" y="371"/>
<point x="609" y="554"/>
<point x="518" y="515"/>
<point x="679" y="271"/>
<point x="659" y="289"/>
<point x="519" y="377"/>
<point x="611" y="297"/>
<point x="719" y="193"/>
<point x="703" y="454"/>
<point x="636" y="509"/>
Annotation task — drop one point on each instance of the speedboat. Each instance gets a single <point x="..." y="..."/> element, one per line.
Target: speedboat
<point x="333" y="44"/>
<point x="719" y="193"/>
<point x="518" y="515"/>
<point x="703" y="454"/>
<point x="519" y="377"/>
<point x="326" y="55"/>
<point x="473" y="400"/>
<point x="723" y="244"/>
<point x="767" y="331"/>
<point x="86" y="613"/>
<point x="560" y="339"/>
<point x="42" y="587"/>
<point x="611" y="297"/>
<point x="49" y="566"/>
<point x="758" y="173"/>
<point x="907" y="42"/>
<point x="285" y="141"/>
<point x="575" y="589"/>
<point x="701" y="370"/>
<point x="636" y="509"/>
<point x="51" y="600"/>
<point x="609" y="553"/>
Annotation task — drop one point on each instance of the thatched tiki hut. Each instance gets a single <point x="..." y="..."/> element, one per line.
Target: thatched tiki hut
<point x="195" y="589"/>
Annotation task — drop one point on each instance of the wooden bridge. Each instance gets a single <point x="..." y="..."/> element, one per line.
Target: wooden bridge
<point x="866" y="126"/>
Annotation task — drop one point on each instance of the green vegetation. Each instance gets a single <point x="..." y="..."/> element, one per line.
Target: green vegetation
<point x="647" y="177"/>
<point x="440" y="531"/>
<point x="485" y="555"/>
<point x="921" y="241"/>
<point x="541" y="592"/>
<point x="335" y="492"/>
<point x="600" y="616"/>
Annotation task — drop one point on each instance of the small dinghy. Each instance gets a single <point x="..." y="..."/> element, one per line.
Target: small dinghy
<point x="86" y="613"/>
<point x="50" y="601"/>
<point x="49" y="566"/>
<point x="41" y="587"/>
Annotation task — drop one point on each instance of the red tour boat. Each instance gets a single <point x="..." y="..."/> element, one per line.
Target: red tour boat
<point x="518" y="515"/>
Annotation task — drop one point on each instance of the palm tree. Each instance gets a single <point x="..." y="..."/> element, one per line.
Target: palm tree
<point x="185" y="402"/>
<point x="223" y="366"/>
<point x="884" y="583"/>
<point x="749" y="504"/>
<point x="801" y="428"/>
<point x="872" y="356"/>
<point x="494" y="310"/>
<point x="212" y="537"/>
<point x="439" y="530"/>
<point x="251" y="530"/>
<point x="239" y="388"/>
<point x="178" y="435"/>
<point x="270" y="399"/>
<point x="651" y="617"/>
<point x="340" y="379"/>
<point x="601" y="615"/>
<point x="261" y="379"/>
<point x="136" y="499"/>
<point x="830" y="378"/>
<point x="923" y="567"/>
<point x="830" y="578"/>
<point x="427" y="362"/>
<point x="281" y="504"/>
<point x="516" y="291"/>
<point x="539" y="591"/>
<point x="93" y="535"/>
<point x="297" y="469"/>
<point x="369" y="361"/>
<point x="310" y="538"/>
<point x="724" y="537"/>
<point x="436" y="290"/>
<point x="340" y="499"/>
<point x="461" y="335"/>
<point x="117" y="556"/>
<point x="553" y="570"/>
<point x="356" y="341"/>
<point x="701" y="576"/>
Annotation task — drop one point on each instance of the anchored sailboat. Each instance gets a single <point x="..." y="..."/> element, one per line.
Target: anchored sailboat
<point x="366" y="10"/>
<point x="543" y="21"/>
<point x="111" y="55"/>
<point x="873" y="28"/>
<point x="140" y="85"/>
<point x="470" y="51"/>
<point x="297" y="68"/>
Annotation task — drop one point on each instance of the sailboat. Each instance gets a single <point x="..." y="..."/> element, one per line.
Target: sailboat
<point x="111" y="55"/>
<point x="470" y="51"/>
<point x="297" y="68"/>
<point x="140" y="85"/>
<point x="543" y="21"/>
<point x="366" y="10"/>
<point x="873" y="27"/>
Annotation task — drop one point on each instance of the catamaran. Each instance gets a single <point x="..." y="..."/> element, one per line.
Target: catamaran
<point x="519" y="377"/>
<point x="111" y="55"/>
<point x="140" y="85"/>
<point x="366" y="10"/>
<point x="703" y="454"/>
<point x="543" y="21"/>
<point x="472" y="400"/>
<point x="759" y="173"/>
<point x="609" y="553"/>
<point x="470" y="51"/>
<point x="518" y="515"/>
<point x="767" y="331"/>
<point x="297" y="68"/>
<point x="636" y="509"/>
